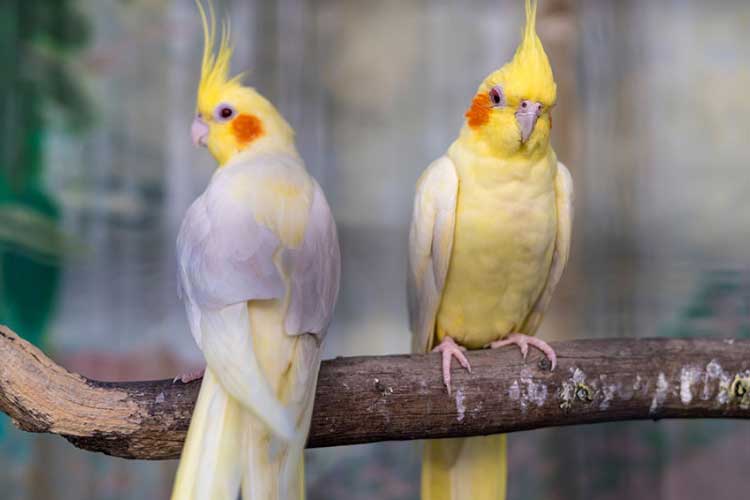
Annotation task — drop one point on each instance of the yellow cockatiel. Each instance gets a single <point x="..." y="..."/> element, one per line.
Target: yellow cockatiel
<point x="489" y="240"/>
<point x="259" y="271"/>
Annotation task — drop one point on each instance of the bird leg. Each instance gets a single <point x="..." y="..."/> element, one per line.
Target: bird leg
<point x="523" y="342"/>
<point x="188" y="377"/>
<point x="450" y="349"/>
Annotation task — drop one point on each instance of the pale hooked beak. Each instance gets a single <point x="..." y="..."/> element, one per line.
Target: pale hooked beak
<point x="526" y="115"/>
<point x="199" y="131"/>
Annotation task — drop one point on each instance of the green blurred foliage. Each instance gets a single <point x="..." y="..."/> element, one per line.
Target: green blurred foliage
<point x="37" y="40"/>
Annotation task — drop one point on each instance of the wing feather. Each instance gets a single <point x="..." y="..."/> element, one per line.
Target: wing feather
<point x="224" y="255"/>
<point x="316" y="270"/>
<point x="430" y="246"/>
<point x="564" y="196"/>
<point x="238" y="244"/>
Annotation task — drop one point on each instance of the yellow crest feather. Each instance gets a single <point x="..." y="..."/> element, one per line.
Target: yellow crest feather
<point x="529" y="75"/>
<point x="216" y="60"/>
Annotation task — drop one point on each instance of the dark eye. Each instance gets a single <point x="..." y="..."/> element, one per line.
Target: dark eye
<point x="496" y="96"/>
<point x="223" y="112"/>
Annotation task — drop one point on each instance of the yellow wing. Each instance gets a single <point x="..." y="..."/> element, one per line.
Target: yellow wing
<point x="564" y="195"/>
<point x="430" y="246"/>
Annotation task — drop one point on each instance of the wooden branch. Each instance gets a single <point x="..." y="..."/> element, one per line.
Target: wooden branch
<point x="367" y="399"/>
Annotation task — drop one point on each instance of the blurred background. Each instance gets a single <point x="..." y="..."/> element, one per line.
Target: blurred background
<point x="97" y="169"/>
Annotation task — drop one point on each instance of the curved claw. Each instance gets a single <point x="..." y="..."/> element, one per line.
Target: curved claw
<point x="523" y="342"/>
<point x="524" y="349"/>
<point x="450" y="349"/>
<point x="186" y="378"/>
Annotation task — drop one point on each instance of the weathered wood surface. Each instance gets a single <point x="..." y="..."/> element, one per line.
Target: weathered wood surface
<point x="367" y="399"/>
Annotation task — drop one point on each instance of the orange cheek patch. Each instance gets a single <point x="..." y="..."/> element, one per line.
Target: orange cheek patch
<point x="247" y="128"/>
<point x="479" y="112"/>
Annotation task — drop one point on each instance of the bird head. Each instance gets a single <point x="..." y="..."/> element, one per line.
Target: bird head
<point x="510" y="113"/>
<point x="230" y="117"/>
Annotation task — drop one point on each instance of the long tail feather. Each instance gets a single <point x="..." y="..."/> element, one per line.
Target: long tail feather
<point x="265" y="473"/>
<point x="464" y="469"/>
<point x="210" y="465"/>
<point x="275" y="469"/>
<point x="233" y="444"/>
<point x="228" y="447"/>
<point x="226" y="344"/>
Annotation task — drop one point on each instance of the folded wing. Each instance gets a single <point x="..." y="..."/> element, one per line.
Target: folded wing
<point x="564" y="196"/>
<point x="234" y="247"/>
<point x="430" y="246"/>
<point x="316" y="268"/>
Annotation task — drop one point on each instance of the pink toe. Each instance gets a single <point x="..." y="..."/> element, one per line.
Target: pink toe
<point x="552" y="359"/>
<point x="465" y="363"/>
<point x="447" y="371"/>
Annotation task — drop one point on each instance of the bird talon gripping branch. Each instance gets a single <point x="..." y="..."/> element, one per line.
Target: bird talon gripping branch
<point x="523" y="341"/>
<point x="450" y="349"/>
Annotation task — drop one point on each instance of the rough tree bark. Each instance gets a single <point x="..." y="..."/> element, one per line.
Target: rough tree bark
<point x="367" y="399"/>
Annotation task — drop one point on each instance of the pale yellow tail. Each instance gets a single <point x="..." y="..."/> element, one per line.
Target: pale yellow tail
<point x="464" y="468"/>
<point x="211" y="462"/>
<point x="227" y="447"/>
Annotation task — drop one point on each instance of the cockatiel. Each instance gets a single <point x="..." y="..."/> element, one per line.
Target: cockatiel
<point x="489" y="239"/>
<point x="259" y="267"/>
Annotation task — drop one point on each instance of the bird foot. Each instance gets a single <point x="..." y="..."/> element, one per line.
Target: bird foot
<point x="523" y="342"/>
<point x="450" y="349"/>
<point x="186" y="378"/>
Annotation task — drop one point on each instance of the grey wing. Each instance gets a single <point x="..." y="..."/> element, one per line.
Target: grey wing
<point x="316" y="271"/>
<point x="224" y="256"/>
<point x="430" y="246"/>
<point x="564" y="197"/>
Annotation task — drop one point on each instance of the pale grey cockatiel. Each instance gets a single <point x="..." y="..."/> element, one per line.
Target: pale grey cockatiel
<point x="259" y="268"/>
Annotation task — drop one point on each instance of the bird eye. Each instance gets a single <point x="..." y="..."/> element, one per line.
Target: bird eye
<point x="496" y="96"/>
<point x="223" y="112"/>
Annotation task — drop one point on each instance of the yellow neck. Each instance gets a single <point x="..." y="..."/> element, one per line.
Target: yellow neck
<point x="477" y="142"/>
<point x="268" y="144"/>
